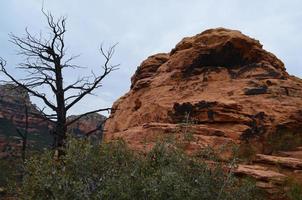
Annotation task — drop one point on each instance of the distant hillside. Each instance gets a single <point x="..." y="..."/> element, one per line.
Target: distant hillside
<point x="12" y="117"/>
<point x="87" y="125"/>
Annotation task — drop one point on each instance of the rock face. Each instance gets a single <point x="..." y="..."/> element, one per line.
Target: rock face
<point x="220" y="86"/>
<point x="91" y="124"/>
<point x="12" y="116"/>
<point x="12" y="110"/>
<point x="222" y="82"/>
<point x="13" y="101"/>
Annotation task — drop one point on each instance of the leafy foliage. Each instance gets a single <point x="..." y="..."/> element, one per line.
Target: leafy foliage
<point x="295" y="191"/>
<point x="10" y="173"/>
<point x="112" y="171"/>
<point x="7" y="171"/>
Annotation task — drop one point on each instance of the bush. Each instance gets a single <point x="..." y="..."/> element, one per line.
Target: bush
<point x="10" y="170"/>
<point x="295" y="191"/>
<point x="112" y="171"/>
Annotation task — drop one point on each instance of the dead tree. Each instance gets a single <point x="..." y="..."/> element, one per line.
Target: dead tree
<point x="45" y="62"/>
<point x="24" y="134"/>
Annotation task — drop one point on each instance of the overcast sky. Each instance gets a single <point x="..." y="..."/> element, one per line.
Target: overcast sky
<point x="143" y="28"/>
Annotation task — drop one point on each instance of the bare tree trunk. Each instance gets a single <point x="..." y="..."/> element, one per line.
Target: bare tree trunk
<point x="24" y="144"/>
<point x="60" y="129"/>
<point x="24" y="135"/>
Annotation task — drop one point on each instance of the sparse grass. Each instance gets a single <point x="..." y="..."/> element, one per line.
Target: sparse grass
<point x="294" y="190"/>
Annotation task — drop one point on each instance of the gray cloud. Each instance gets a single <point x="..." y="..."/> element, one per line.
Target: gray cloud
<point x="143" y="28"/>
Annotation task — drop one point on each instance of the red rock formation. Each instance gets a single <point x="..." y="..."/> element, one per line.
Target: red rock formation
<point x="12" y="110"/>
<point x="87" y="124"/>
<point x="12" y="116"/>
<point x="222" y="82"/>
<point x="227" y="84"/>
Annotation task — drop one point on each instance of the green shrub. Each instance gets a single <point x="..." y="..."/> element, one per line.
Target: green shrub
<point x="5" y="172"/>
<point x="10" y="174"/>
<point x="295" y="191"/>
<point x="9" y="170"/>
<point x="112" y="171"/>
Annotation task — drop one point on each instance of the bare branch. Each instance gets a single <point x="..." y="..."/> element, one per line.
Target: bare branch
<point x="20" y="133"/>
<point x="44" y="64"/>
<point x="97" y="80"/>
<point x="46" y="117"/>
<point x="98" y="128"/>
<point x="34" y="93"/>
<point x="85" y="114"/>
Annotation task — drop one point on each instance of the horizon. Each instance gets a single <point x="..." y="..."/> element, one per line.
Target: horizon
<point x="143" y="29"/>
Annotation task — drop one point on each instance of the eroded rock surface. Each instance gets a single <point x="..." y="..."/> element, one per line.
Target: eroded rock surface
<point x="219" y="81"/>
<point x="220" y="86"/>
